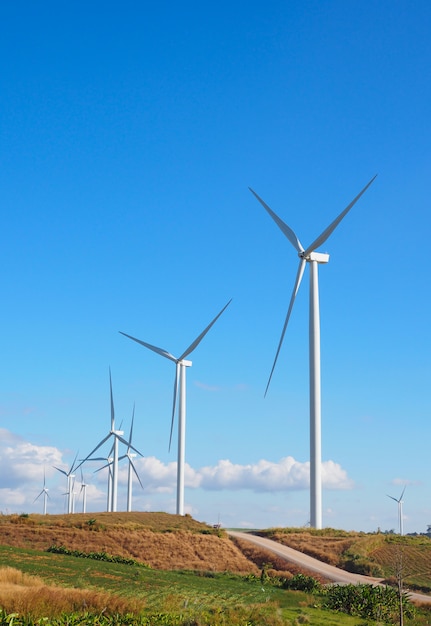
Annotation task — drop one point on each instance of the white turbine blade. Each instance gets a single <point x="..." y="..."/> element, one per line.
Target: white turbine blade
<point x="38" y="496"/>
<point x="72" y="467"/>
<point x="93" y="451"/>
<point x="174" y="404"/>
<point x="160" y="351"/>
<point x="60" y="470"/>
<point x="285" y="229"/>
<point x="299" y="275"/>
<point x="131" y="427"/>
<point x="392" y="498"/>
<point x="112" y="402"/>
<point x="197" y="341"/>
<point x="328" y="231"/>
<point x="103" y="467"/>
<point x="136" y="473"/>
<point x="401" y="496"/>
<point x="125" y="442"/>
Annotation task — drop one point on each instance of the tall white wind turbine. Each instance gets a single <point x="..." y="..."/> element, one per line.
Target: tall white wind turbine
<point x="117" y="436"/>
<point x="180" y="381"/>
<point x="308" y="255"/>
<point x="45" y="494"/>
<point x="400" y="510"/>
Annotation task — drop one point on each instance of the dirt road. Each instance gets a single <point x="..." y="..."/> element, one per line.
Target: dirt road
<point x="330" y="572"/>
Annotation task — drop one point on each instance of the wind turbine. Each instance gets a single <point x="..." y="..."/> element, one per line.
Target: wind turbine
<point x="83" y="490"/>
<point x="109" y="460"/>
<point x="117" y="435"/>
<point x="308" y="255"/>
<point x="44" y="492"/>
<point x="400" y="510"/>
<point x="70" y="483"/>
<point x="130" y="456"/>
<point x="180" y="381"/>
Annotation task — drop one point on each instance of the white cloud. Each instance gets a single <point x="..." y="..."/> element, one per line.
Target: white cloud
<point x="22" y="462"/>
<point x="263" y="476"/>
<point x="206" y="387"/>
<point x="287" y="474"/>
<point x="23" y="465"/>
<point x="404" y="482"/>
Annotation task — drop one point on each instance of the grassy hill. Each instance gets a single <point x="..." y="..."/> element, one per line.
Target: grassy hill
<point x="160" y="540"/>
<point x="373" y="554"/>
<point x="182" y="571"/>
<point x="164" y="541"/>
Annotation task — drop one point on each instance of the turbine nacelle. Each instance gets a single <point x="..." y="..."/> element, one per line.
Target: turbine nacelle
<point x="185" y="363"/>
<point x="320" y="257"/>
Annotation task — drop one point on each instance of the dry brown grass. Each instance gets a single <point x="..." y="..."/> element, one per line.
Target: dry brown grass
<point x="160" y="540"/>
<point x="30" y="595"/>
<point x="328" y="549"/>
<point x="278" y="566"/>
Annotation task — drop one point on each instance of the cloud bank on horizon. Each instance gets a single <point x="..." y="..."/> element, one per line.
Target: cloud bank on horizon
<point x="23" y="466"/>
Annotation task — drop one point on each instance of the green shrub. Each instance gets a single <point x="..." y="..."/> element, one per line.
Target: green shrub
<point x="301" y="582"/>
<point x="366" y="601"/>
<point x="97" y="556"/>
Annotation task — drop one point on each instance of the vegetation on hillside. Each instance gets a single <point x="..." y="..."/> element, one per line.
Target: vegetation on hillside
<point x="371" y="554"/>
<point x="159" y="540"/>
<point x="154" y="568"/>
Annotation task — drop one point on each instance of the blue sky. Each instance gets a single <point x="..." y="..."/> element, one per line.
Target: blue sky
<point x="130" y="134"/>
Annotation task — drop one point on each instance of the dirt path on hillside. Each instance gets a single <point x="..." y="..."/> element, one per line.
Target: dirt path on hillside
<point x="330" y="572"/>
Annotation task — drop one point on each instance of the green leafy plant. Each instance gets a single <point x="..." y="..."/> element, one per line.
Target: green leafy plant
<point x="97" y="556"/>
<point x="366" y="601"/>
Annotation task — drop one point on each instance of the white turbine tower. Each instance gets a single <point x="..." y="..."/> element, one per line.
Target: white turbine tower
<point x="131" y="469"/>
<point x="45" y="494"/>
<point x="109" y="461"/>
<point x="83" y="490"/>
<point x="117" y="435"/>
<point x="313" y="258"/>
<point x="70" y="483"/>
<point x="400" y="510"/>
<point x="180" y="381"/>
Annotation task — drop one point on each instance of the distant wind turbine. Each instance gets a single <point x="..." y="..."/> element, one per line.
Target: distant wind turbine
<point x="400" y="510"/>
<point x="180" y="381"/>
<point x="131" y="469"/>
<point x="70" y="483"/>
<point x="309" y="255"/>
<point x="117" y="435"/>
<point x="84" y="493"/>
<point x="108" y="463"/>
<point x="45" y="494"/>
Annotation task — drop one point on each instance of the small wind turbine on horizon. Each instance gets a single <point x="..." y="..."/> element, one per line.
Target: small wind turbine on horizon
<point x="308" y="255"/>
<point x="400" y="510"/>
<point x="118" y="436"/>
<point x="45" y="494"/>
<point x="180" y="382"/>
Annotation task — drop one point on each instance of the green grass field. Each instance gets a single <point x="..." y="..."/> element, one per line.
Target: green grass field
<point x="185" y="598"/>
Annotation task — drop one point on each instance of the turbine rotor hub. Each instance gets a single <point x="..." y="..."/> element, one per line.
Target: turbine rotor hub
<point x="319" y="257"/>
